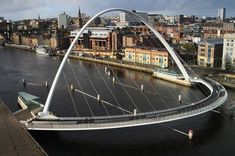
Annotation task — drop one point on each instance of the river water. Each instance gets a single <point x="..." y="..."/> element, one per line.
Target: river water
<point x="215" y="138"/>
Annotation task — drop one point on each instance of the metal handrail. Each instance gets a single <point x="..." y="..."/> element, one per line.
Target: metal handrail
<point x="212" y="102"/>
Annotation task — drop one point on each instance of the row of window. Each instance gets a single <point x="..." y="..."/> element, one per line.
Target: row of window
<point x="228" y="40"/>
<point x="147" y="57"/>
<point x="229" y="49"/>
<point x="230" y="44"/>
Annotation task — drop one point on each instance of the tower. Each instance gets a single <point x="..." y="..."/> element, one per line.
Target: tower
<point x="221" y="14"/>
<point x="79" y="18"/>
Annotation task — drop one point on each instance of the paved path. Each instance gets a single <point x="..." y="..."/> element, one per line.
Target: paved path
<point x="14" y="139"/>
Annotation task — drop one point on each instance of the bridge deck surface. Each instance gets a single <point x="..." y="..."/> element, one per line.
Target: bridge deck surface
<point x="14" y="139"/>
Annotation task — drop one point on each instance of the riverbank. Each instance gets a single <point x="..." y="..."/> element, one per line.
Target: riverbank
<point x="227" y="80"/>
<point x="130" y="66"/>
<point x="149" y="69"/>
<point x="23" y="47"/>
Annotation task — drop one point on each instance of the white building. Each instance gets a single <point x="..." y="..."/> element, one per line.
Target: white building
<point x="63" y="20"/>
<point x="170" y="19"/>
<point x="128" y="19"/>
<point x="221" y="14"/>
<point x="196" y="40"/>
<point x="228" y="51"/>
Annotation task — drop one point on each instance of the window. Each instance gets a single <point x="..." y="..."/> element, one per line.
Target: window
<point x="144" y="58"/>
<point x="228" y="44"/>
<point x="209" y="55"/>
<point x="201" y="62"/>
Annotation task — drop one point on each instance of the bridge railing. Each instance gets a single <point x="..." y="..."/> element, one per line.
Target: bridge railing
<point x="93" y="125"/>
<point x="211" y="102"/>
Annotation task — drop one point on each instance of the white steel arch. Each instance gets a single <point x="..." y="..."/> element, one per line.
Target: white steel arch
<point x="45" y="113"/>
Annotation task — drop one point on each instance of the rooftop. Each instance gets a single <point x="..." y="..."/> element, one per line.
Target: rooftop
<point x="213" y="41"/>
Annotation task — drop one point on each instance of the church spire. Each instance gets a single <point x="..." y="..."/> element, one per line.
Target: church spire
<point x="79" y="18"/>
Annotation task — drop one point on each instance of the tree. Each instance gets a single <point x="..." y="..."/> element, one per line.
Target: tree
<point x="228" y="66"/>
<point x="189" y="47"/>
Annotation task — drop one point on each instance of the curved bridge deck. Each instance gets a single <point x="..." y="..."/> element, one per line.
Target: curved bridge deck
<point x="217" y="97"/>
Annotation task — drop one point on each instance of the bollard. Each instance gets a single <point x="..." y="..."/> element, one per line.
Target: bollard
<point x="105" y="69"/>
<point x="135" y="112"/>
<point x="190" y="134"/>
<point x="180" y="98"/>
<point x="109" y="73"/>
<point x="24" y="83"/>
<point x="72" y="87"/>
<point x="113" y="79"/>
<point x="142" y="87"/>
<point x="46" y="84"/>
<point x="98" y="97"/>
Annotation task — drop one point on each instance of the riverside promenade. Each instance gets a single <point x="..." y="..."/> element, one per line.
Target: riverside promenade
<point x="14" y="138"/>
<point x="132" y="66"/>
<point x="23" y="47"/>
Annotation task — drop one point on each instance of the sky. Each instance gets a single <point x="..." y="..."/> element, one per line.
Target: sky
<point x="27" y="9"/>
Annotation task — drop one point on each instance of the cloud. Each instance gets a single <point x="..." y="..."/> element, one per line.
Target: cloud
<point x="20" y="9"/>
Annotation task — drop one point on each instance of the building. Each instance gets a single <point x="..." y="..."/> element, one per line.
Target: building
<point x="152" y="56"/>
<point x="171" y="31"/>
<point x="141" y="29"/>
<point x="130" y="40"/>
<point x="16" y="38"/>
<point x="80" y="24"/>
<point x="6" y="28"/>
<point x="117" y="44"/>
<point x="154" y="18"/>
<point x="210" y="53"/>
<point x="221" y="14"/>
<point x="126" y="19"/>
<point x="217" y="29"/>
<point x="228" y="51"/>
<point x="96" y="41"/>
<point x="179" y="19"/>
<point x="63" y="20"/>
<point x="170" y="19"/>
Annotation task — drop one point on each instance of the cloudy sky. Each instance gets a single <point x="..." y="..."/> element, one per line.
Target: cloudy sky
<point x="23" y="9"/>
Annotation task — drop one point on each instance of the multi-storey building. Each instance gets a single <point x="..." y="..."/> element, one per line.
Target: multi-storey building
<point x="127" y="19"/>
<point x="210" y="53"/>
<point x="99" y="41"/>
<point x="130" y="40"/>
<point x="63" y="20"/>
<point x="172" y="31"/>
<point x="217" y="29"/>
<point x="228" y="51"/>
<point x="152" y="56"/>
<point x="221" y="14"/>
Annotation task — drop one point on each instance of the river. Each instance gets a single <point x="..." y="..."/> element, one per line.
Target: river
<point x="216" y="138"/>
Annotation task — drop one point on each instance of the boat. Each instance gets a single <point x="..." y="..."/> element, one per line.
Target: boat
<point x="43" y="50"/>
